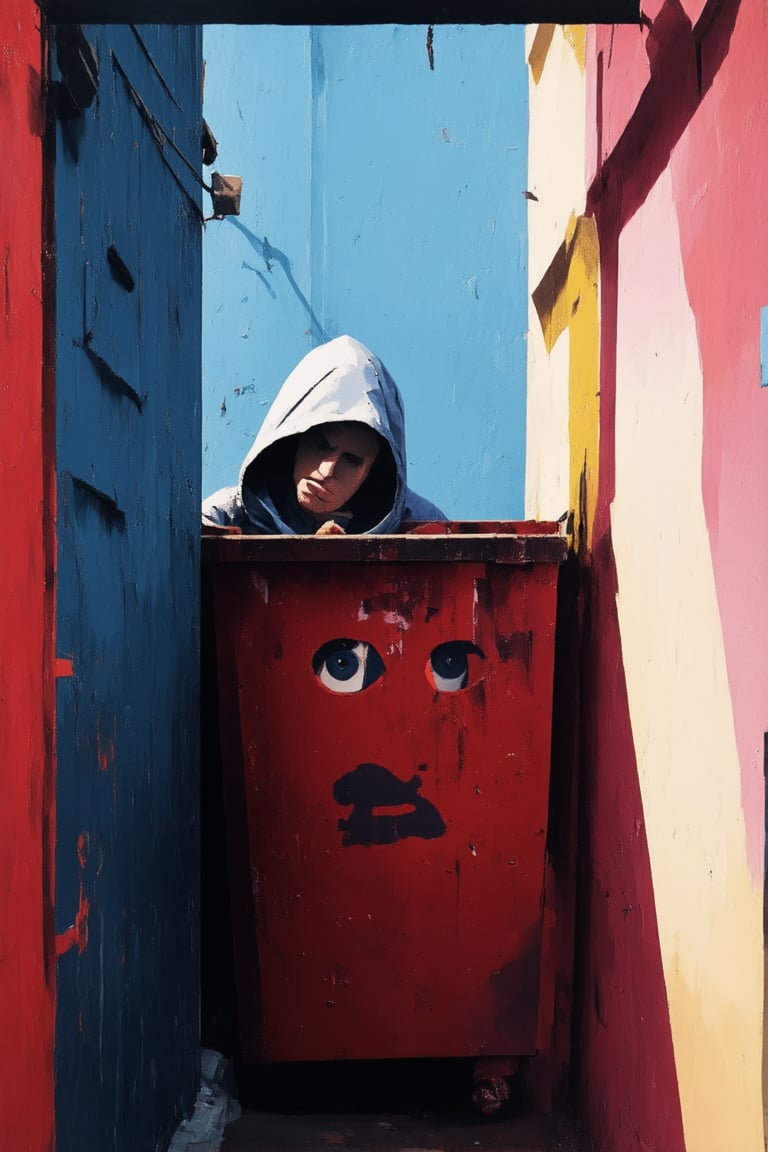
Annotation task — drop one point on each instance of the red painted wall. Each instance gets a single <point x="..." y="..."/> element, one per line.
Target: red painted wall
<point x="26" y="667"/>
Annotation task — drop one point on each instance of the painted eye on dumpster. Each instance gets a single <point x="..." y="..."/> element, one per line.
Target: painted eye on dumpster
<point x="347" y="665"/>
<point x="448" y="667"/>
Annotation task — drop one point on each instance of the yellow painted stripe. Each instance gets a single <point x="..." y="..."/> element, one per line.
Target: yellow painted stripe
<point x="576" y="35"/>
<point x="537" y="57"/>
<point x="567" y="298"/>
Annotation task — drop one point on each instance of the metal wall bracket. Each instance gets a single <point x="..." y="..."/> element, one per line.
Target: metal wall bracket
<point x="225" y="193"/>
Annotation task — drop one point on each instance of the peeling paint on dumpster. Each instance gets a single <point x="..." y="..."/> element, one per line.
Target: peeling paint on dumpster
<point x="389" y="754"/>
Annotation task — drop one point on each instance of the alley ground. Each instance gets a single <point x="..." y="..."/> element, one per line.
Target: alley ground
<point x="267" y="1132"/>
<point x="369" y="1110"/>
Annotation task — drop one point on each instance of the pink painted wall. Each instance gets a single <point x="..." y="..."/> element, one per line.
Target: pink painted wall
<point x="26" y="668"/>
<point x="677" y="122"/>
<point x="724" y="244"/>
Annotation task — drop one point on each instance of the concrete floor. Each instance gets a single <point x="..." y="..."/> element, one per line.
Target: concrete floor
<point x="268" y="1132"/>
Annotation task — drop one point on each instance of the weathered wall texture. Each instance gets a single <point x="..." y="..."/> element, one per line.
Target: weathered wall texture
<point x="99" y="374"/>
<point x="556" y="179"/>
<point x="382" y="198"/>
<point x="26" y="631"/>
<point x="128" y="293"/>
<point x="670" y="1039"/>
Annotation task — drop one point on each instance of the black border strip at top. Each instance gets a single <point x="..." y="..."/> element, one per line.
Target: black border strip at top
<point x="341" y="11"/>
<point x="483" y="548"/>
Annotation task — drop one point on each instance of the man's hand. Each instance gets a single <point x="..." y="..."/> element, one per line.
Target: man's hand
<point x="330" y="528"/>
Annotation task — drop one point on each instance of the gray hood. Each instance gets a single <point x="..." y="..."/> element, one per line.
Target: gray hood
<point x="339" y="381"/>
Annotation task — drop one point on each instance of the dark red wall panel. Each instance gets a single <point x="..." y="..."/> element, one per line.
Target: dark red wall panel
<point x="26" y="667"/>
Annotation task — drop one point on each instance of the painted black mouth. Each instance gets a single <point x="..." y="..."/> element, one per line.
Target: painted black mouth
<point x="369" y="787"/>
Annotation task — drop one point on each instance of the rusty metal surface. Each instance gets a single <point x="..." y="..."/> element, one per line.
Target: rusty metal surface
<point x="387" y="831"/>
<point x="225" y="193"/>
<point x="503" y="543"/>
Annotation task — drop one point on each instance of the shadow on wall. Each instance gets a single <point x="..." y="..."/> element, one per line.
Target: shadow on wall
<point x="622" y="977"/>
<point x="684" y="60"/>
<point x="620" y="973"/>
<point x="272" y="256"/>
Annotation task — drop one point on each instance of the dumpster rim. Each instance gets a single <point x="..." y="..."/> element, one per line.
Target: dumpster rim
<point x="541" y="547"/>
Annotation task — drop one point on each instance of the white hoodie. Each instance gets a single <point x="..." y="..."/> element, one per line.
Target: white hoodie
<point x="338" y="381"/>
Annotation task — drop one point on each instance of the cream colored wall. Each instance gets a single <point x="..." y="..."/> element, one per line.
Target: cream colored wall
<point x="708" y="905"/>
<point x="556" y="179"/>
<point x="709" y="913"/>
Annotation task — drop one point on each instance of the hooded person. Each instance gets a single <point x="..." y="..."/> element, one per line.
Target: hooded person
<point x="330" y="455"/>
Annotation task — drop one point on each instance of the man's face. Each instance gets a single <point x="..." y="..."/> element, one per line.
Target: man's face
<point x="332" y="461"/>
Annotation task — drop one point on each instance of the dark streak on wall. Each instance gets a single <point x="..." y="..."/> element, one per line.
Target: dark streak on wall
<point x="127" y="843"/>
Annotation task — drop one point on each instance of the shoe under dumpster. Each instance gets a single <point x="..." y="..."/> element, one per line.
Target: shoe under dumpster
<point x="386" y="709"/>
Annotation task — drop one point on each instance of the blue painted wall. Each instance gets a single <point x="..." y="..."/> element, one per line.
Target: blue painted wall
<point x="384" y="199"/>
<point x="128" y="294"/>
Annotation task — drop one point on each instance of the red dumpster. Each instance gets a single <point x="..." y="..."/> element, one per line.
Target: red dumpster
<point x="386" y="710"/>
